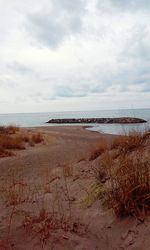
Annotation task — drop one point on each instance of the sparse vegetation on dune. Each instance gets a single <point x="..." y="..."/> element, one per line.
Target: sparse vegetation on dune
<point x="9" y="142"/>
<point x="26" y="201"/>
<point x="44" y="225"/>
<point x="124" y="169"/>
<point x="11" y="129"/>
<point x="12" y="138"/>
<point x="37" y="138"/>
<point x="124" y="144"/>
<point x="129" y="185"/>
<point x="128" y="143"/>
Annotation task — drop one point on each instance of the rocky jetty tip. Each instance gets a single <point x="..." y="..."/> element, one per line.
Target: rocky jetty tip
<point x="119" y="120"/>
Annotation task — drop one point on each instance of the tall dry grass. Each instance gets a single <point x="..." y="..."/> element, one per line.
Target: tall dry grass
<point x="12" y="138"/>
<point x="9" y="142"/>
<point x="11" y="129"/>
<point x="37" y="138"/>
<point x="130" y="142"/>
<point x="129" y="185"/>
<point x="126" y="176"/>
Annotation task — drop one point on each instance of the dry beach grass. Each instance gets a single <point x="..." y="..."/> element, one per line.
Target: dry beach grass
<point x="125" y="165"/>
<point x="12" y="138"/>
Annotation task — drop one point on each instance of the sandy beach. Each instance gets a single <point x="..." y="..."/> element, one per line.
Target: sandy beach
<point x="47" y="201"/>
<point x="63" y="145"/>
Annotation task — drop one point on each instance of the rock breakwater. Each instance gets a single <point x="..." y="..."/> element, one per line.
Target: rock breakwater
<point x="119" y="120"/>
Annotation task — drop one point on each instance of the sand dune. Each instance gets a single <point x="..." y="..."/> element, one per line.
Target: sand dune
<point x="46" y="202"/>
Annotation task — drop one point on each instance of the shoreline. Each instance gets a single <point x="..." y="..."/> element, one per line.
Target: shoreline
<point x="86" y="128"/>
<point x="106" y="129"/>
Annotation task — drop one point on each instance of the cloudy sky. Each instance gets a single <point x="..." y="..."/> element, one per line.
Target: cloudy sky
<point x="74" y="55"/>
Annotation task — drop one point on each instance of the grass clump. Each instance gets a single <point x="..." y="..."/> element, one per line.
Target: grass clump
<point x="130" y="186"/>
<point x="11" y="129"/>
<point x="13" y="138"/>
<point x="37" y="138"/>
<point x="8" y="142"/>
<point x="128" y="143"/>
<point x="127" y="175"/>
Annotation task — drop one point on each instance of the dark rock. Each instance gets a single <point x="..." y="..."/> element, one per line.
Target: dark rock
<point x="119" y="120"/>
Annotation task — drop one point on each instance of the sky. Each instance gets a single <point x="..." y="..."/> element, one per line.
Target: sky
<point x="67" y="55"/>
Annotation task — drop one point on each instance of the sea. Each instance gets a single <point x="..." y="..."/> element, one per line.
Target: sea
<point x="40" y="119"/>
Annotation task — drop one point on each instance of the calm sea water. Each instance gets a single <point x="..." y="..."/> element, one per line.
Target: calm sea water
<point x="40" y="119"/>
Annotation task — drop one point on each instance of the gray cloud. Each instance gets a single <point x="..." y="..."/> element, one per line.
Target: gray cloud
<point x="79" y="90"/>
<point x="137" y="45"/>
<point x="66" y="91"/>
<point x="19" y="67"/>
<point x="146" y="88"/>
<point x="124" y="5"/>
<point x="131" y="4"/>
<point x="50" y="25"/>
<point x="135" y="56"/>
